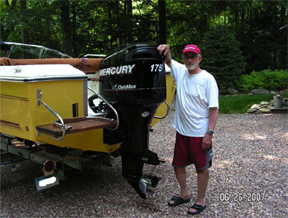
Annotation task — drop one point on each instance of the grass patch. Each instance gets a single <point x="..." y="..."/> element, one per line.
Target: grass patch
<point x="240" y="104"/>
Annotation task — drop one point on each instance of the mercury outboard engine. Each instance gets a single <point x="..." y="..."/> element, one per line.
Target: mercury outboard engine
<point x="132" y="80"/>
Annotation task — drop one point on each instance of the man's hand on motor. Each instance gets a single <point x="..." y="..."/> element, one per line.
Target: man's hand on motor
<point x="163" y="49"/>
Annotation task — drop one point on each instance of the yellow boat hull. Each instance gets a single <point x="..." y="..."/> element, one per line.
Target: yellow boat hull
<point x="21" y="113"/>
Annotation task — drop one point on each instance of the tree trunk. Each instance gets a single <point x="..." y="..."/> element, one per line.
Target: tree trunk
<point x="128" y="23"/>
<point x="25" y="32"/>
<point x="66" y="27"/>
<point x="110" y="21"/>
<point x="73" y="29"/>
<point x="162" y="22"/>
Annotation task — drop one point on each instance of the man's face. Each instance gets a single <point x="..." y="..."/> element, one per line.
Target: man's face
<point x="191" y="60"/>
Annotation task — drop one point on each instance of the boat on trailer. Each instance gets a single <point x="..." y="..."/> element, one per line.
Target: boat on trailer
<point x="74" y="112"/>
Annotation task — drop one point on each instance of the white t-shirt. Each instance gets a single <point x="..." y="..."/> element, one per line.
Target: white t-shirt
<point x="196" y="93"/>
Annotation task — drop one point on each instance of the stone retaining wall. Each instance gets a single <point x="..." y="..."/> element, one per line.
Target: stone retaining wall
<point x="267" y="107"/>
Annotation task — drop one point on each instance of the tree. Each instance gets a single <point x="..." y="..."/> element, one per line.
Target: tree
<point x="128" y="21"/>
<point x="162" y="21"/>
<point x="8" y="7"/>
<point x="89" y="26"/>
<point x="222" y="56"/>
<point x="24" y="19"/>
<point x="66" y="27"/>
<point x="256" y="25"/>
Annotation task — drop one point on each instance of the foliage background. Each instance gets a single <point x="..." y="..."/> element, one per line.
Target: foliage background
<point x="271" y="80"/>
<point x="256" y="30"/>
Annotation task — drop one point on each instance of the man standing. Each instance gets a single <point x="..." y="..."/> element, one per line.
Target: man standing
<point x="195" y="119"/>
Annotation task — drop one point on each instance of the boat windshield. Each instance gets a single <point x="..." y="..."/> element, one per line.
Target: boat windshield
<point x="28" y="51"/>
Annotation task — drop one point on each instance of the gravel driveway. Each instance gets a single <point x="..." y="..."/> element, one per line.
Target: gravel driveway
<point x="248" y="178"/>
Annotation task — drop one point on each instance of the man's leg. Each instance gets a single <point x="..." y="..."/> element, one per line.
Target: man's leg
<point x="202" y="182"/>
<point x="180" y="173"/>
<point x="181" y="178"/>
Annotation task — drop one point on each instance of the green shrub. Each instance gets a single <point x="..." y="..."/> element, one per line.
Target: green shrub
<point x="276" y="80"/>
<point x="222" y="56"/>
<point x="266" y="79"/>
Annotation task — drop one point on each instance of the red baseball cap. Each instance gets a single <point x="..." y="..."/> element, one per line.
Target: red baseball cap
<point x="193" y="48"/>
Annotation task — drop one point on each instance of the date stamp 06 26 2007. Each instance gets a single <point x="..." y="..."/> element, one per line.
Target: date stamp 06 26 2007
<point x="237" y="196"/>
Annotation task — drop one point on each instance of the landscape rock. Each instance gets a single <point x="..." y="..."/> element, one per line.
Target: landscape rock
<point x="255" y="106"/>
<point x="265" y="110"/>
<point x="285" y="102"/>
<point x="264" y="107"/>
<point x="258" y="112"/>
<point x="260" y="91"/>
<point x="232" y="91"/>
<point x="252" y="110"/>
<point x="262" y="103"/>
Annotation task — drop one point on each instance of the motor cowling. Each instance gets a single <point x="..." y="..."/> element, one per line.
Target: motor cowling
<point x="133" y="75"/>
<point x="132" y="80"/>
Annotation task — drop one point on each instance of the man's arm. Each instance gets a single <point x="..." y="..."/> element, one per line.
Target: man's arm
<point x="213" y="116"/>
<point x="207" y="140"/>
<point x="164" y="49"/>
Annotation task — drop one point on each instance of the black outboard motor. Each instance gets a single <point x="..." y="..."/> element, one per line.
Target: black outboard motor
<point x="132" y="80"/>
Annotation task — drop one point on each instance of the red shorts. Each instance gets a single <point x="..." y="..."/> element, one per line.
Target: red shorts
<point x="188" y="151"/>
